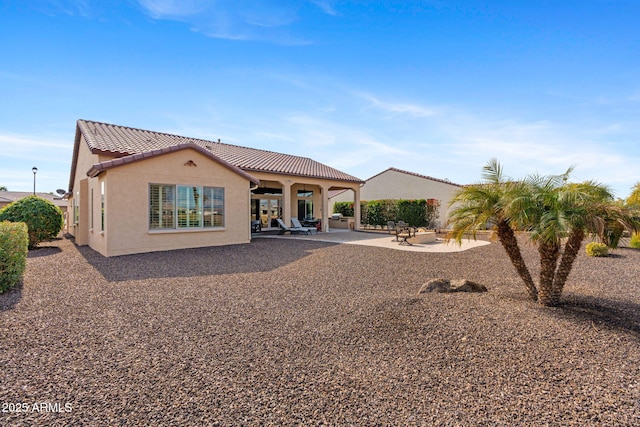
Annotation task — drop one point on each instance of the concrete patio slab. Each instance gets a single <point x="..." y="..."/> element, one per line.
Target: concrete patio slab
<point x="378" y="239"/>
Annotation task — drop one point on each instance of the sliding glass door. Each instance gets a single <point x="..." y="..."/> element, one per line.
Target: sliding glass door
<point x="267" y="211"/>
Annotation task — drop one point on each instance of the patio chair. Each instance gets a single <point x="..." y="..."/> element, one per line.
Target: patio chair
<point x="393" y="229"/>
<point x="391" y="226"/>
<point x="292" y="230"/>
<point x="296" y="224"/>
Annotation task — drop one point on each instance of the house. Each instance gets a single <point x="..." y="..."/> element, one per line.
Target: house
<point x="7" y="197"/>
<point x="399" y="184"/>
<point x="134" y="190"/>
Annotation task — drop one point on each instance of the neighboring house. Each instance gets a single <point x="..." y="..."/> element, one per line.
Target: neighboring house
<point x="399" y="184"/>
<point x="133" y="190"/>
<point x="7" y="197"/>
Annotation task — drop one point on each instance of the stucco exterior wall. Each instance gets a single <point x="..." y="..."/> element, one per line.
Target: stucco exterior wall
<point x="84" y="162"/>
<point x="127" y="205"/>
<point x="393" y="184"/>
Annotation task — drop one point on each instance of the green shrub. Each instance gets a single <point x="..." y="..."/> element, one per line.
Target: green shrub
<point x="44" y="219"/>
<point x="345" y="208"/>
<point x="597" y="249"/>
<point x="634" y="242"/>
<point x="374" y="213"/>
<point x="14" y="240"/>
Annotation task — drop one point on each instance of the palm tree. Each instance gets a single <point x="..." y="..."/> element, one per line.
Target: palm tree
<point x="487" y="205"/>
<point x="555" y="214"/>
<point x="589" y="209"/>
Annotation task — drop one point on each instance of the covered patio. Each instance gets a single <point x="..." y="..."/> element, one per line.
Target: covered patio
<point x="307" y="199"/>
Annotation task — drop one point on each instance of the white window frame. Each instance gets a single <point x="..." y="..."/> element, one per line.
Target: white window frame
<point x="218" y="209"/>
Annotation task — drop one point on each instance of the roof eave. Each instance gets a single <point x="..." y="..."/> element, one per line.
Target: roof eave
<point x="275" y="172"/>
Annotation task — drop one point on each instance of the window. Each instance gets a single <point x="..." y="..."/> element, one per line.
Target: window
<point x="189" y="207"/>
<point x="76" y="210"/>
<point x="161" y="206"/>
<point x="213" y="213"/>
<point x="184" y="207"/>
<point x="91" y="209"/>
<point x="102" y="206"/>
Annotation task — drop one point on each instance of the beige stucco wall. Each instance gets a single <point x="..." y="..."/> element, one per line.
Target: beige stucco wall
<point x="126" y="229"/>
<point x="393" y="184"/>
<point x="127" y="199"/>
<point x="83" y="163"/>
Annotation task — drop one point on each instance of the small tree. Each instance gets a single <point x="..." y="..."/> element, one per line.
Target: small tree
<point x="3" y="188"/>
<point x="44" y="219"/>
<point x="433" y="209"/>
<point x="553" y="212"/>
<point x="633" y="201"/>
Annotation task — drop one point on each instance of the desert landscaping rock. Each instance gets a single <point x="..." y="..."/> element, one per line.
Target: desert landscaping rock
<point x="436" y="285"/>
<point x="289" y="332"/>
<point x="467" y="286"/>
<point x="443" y="286"/>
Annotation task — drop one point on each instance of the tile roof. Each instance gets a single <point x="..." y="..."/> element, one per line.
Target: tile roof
<point x="12" y="196"/>
<point x="121" y="141"/>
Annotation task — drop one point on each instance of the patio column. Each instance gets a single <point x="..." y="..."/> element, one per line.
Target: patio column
<point x="356" y="207"/>
<point x="325" y="207"/>
<point x="286" y="202"/>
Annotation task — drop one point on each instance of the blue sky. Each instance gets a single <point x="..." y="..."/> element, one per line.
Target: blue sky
<point x="433" y="87"/>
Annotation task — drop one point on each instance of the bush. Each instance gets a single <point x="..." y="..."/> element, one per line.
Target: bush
<point x="374" y="213"/>
<point x="345" y="208"/>
<point x="44" y="219"/>
<point x="597" y="249"/>
<point x="635" y="241"/>
<point x="14" y="240"/>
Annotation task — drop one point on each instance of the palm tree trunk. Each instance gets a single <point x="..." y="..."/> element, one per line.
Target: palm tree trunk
<point x="510" y="244"/>
<point x="571" y="249"/>
<point x="548" y="260"/>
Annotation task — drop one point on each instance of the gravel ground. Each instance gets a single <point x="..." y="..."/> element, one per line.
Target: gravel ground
<point x="290" y="332"/>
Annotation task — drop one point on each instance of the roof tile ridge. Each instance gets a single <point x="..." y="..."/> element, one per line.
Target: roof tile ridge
<point x="87" y="132"/>
<point x="445" y="181"/>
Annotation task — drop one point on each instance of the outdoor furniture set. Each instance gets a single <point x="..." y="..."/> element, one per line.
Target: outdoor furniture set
<point x="296" y="228"/>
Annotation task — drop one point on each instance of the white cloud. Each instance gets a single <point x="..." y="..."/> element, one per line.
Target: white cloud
<point x="20" y="153"/>
<point x="363" y="133"/>
<point x="267" y="20"/>
<point x="15" y="144"/>
<point x="326" y="6"/>
<point x="398" y="108"/>
<point x="165" y="9"/>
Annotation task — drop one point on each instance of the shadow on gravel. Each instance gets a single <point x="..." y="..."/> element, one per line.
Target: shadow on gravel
<point x="258" y="256"/>
<point x="41" y="251"/>
<point x="11" y="298"/>
<point x="614" y="315"/>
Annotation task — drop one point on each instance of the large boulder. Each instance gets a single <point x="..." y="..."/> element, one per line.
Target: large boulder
<point x="436" y="285"/>
<point x="464" y="285"/>
<point x="441" y="285"/>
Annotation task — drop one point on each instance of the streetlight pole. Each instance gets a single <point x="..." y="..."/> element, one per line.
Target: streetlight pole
<point x="34" y="170"/>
